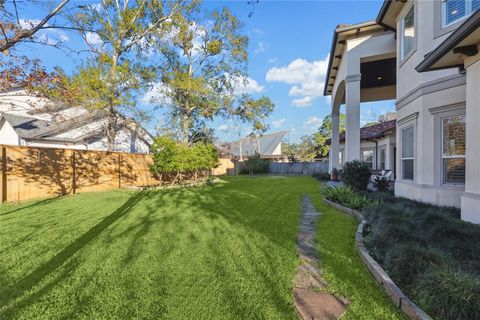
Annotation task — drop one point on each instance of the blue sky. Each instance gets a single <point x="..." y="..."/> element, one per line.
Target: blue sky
<point x="288" y="51"/>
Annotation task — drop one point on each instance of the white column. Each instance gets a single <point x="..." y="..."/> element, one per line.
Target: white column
<point x="352" y="106"/>
<point x="334" y="144"/>
<point x="388" y="158"/>
<point x="471" y="198"/>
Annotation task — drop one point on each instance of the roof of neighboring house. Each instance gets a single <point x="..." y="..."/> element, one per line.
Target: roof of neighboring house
<point x="340" y="34"/>
<point x="27" y="127"/>
<point x="30" y="128"/>
<point x="374" y="131"/>
<point x="268" y="144"/>
<point x="450" y="53"/>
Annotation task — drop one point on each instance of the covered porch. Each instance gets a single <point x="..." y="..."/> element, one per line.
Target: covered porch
<point x="362" y="68"/>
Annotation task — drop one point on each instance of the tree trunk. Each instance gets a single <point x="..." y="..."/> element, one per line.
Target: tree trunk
<point x="111" y="129"/>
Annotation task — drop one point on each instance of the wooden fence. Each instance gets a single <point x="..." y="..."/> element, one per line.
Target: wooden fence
<point x="305" y="168"/>
<point x="33" y="172"/>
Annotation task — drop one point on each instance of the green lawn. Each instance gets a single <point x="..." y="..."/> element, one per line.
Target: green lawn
<point x="344" y="270"/>
<point x="224" y="251"/>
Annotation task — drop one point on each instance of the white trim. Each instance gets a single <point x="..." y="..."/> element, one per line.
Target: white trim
<point x="442" y="156"/>
<point x="468" y="12"/>
<point x="404" y="57"/>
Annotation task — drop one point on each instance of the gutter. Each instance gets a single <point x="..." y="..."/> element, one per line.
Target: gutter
<point x="383" y="11"/>
<point x="462" y="32"/>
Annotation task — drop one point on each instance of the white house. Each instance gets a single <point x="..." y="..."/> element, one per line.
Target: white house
<point x="423" y="54"/>
<point x="26" y="121"/>
<point x="269" y="146"/>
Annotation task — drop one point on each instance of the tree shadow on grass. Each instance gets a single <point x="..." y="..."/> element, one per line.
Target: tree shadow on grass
<point x="32" y="205"/>
<point x="31" y="280"/>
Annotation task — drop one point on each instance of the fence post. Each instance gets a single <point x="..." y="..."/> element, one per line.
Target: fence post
<point x="74" y="173"/>
<point x="4" y="174"/>
<point x="119" y="172"/>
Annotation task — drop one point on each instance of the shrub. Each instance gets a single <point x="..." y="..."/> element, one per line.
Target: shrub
<point x="415" y="242"/>
<point x="346" y="196"/>
<point x="450" y="293"/>
<point x="172" y="158"/>
<point x="323" y="176"/>
<point x="255" y="164"/>
<point x="356" y="175"/>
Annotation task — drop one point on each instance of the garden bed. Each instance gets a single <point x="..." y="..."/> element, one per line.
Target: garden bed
<point x="427" y="250"/>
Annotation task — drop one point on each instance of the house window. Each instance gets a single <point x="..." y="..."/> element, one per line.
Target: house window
<point x="453" y="149"/>
<point x="407" y="153"/>
<point x="407" y="40"/>
<point x="456" y="10"/>
<point x="340" y="157"/>
<point x="367" y="157"/>
<point x="381" y="158"/>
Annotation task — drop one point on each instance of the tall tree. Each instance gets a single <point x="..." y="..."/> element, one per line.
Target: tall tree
<point x="117" y="34"/>
<point x="325" y="132"/>
<point x="205" y="60"/>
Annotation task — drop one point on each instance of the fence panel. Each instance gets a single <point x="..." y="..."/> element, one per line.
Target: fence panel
<point x="31" y="173"/>
<point x="305" y="168"/>
<point x="35" y="172"/>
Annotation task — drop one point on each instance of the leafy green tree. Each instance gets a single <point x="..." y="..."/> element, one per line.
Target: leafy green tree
<point x="325" y="132"/>
<point x="206" y="57"/>
<point x="117" y="34"/>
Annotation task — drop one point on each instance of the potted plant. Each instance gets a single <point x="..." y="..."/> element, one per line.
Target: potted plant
<point x="334" y="174"/>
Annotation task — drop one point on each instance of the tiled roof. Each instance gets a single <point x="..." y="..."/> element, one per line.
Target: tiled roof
<point x="374" y="131"/>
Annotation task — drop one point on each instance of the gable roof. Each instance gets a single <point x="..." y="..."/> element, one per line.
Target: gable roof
<point x="27" y="127"/>
<point x="387" y="17"/>
<point x="268" y="144"/>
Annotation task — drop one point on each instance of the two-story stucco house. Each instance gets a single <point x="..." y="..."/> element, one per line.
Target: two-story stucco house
<point x="423" y="54"/>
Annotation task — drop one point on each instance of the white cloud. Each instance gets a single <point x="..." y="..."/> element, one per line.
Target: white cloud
<point x="93" y="38"/>
<point x="313" y="122"/>
<point x="260" y="47"/>
<point x="223" y="127"/>
<point x="248" y="86"/>
<point x="157" y="95"/>
<point x="272" y="60"/>
<point x="307" y="79"/>
<point x="29" y="23"/>
<point x="278" y="123"/>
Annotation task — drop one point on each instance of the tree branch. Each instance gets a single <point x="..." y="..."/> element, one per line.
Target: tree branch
<point x="28" y="33"/>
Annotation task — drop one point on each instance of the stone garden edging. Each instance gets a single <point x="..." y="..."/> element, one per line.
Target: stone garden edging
<point x="401" y="300"/>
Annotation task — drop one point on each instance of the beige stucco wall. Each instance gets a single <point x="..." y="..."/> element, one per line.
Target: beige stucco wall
<point x="422" y="100"/>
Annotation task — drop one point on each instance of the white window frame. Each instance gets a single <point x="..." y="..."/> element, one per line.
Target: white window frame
<point x="404" y="56"/>
<point x="380" y="150"/>
<point x="373" y="157"/>
<point x="408" y="158"/>
<point x="442" y="156"/>
<point x="468" y="12"/>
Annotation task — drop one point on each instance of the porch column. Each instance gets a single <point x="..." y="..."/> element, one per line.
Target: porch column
<point x="334" y="144"/>
<point x="470" y="202"/>
<point x="352" y="106"/>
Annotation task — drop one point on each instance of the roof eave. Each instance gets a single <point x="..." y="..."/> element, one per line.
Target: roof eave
<point x="460" y="34"/>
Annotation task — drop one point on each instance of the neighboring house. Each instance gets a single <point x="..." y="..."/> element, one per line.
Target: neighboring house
<point x="269" y="146"/>
<point x="377" y="146"/>
<point x="423" y="54"/>
<point x="25" y="121"/>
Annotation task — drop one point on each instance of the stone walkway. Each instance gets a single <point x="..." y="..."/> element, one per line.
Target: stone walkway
<point x="310" y="303"/>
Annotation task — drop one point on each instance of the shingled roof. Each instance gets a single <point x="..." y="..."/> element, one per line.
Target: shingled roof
<point x="374" y="131"/>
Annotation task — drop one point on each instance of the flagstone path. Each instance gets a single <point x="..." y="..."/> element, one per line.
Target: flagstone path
<point x="311" y="303"/>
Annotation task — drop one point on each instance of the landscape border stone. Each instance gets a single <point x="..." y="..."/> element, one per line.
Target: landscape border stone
<point x="400" y="299"/>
